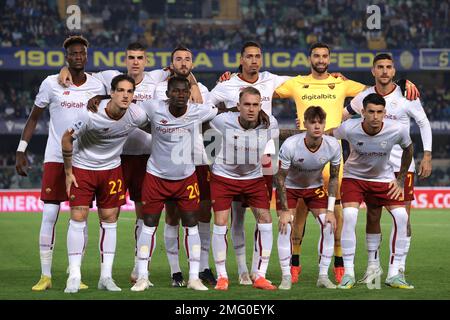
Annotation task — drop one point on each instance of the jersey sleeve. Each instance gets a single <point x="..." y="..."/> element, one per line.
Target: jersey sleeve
<point x="286" y="89"/>
<point x="207" y="111"/>
<point x="204" y="92"/>
<point x="404" y="140"/>
<point x="149" y="107"/>
<point x="415" y="110"/>
<point x="285" y="155"/>
<point x="352" y="88"/>
<point x="217" y="94"/>
<point x="159" y="75"/>
<point x="105" y="77"/>
<point x="336" y="158"/>
<point x="340" y="132"/>
<point x="356" y="104"/>
<point x="274" y="131"/>
<point x="80" y="126"/>
<point x="43" y="97"/>
<point x="139" y="116"/>
<point x="218" y="123"/>
<point x="279" y="80"/>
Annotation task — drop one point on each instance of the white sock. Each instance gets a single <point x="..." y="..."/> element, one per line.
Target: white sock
<point x="219" y="249"/>
<point x="204" y="230"/>
<point x="397" y="241"/>
<point x="285" y="251"/>
<point x="238" y="235"/>
<point x="325" y="245"/>
<point x="348" y="239"/>
<point x="193" y="249"/>
<point x="75" y="244"/>
<point x="403" y="262"/>
<point x="373" y="241"/>
<point x="86" y="236"/>
<point x="255" y="251"/>
<point x="50" y="214"/>
<point x="146" y="245"/>
<point x="137" y="231"/>
<point x="265" y="242"/>
<point x="107" y="247"/>
<point x="171" y="241"/>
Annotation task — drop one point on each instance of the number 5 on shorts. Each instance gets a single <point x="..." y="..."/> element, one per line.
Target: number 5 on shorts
<point x="320" y="192"/>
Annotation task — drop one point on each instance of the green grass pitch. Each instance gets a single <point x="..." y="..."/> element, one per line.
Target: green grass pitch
<point x="427" y="265"/>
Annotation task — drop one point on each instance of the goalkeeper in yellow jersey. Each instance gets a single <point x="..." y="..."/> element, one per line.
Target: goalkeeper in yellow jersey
<point x="320" y="88"/>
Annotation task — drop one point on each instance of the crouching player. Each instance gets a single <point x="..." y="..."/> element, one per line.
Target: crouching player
<point x="302" y="159"/>
<point x="96" y="172"/>
<point x="369" y="177"/>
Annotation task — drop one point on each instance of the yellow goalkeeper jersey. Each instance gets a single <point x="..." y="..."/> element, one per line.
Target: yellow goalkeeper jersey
<point x="328" y="93"/>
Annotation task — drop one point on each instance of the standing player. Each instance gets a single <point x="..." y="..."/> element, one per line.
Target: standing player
<point x="323" y="89"/>
<point x="237" y="171"/>
<point x="96" y="172"/>
<point x="369" y="177"/>
<point x="303" y="158"/>
<point x="228" y="92"/>
<point x="65" y="105"/>
<point x="398" y="109"/>
<point x="182" y="65"/>
<point x="171" y="175"/>
<point x="136" y="150"/>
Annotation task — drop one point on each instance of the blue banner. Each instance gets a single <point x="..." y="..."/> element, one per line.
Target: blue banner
<point x="219" y="61"/>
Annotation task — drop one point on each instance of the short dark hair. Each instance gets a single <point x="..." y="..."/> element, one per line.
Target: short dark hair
<point x="382" y="56"/>
<point x="374" y="98"/>
<point x="136" y="46"/>
<point x="122" y="77"/>
<point x="314" y="112"/>
<point x="318" y="45"/>
<point x="174" y="79"/>
<point x="180" y="48"/>
<point x="249" y="90"/>
<point x="245" y="46"/>
<point x="75" y="39"/>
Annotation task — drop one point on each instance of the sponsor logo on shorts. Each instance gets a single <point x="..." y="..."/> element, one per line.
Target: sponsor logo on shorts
<point x="72" y="197"/>
<point x="48" y="190"/>
<point x="122" y="197"/>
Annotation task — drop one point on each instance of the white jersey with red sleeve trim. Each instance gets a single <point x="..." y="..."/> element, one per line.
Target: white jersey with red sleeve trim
<point x="369" y="154"/>
<point x="65" y="105"/>
<point x="241" y="150"/>
<point x="400" y="109"/>
<point x="174" y="138"/>
<point x="306" y="166"/>
<point x="138" y="142"/>
<point x="99" y="139"/>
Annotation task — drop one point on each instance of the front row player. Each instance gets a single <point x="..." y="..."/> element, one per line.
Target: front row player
<point x="237" y="171"/>
<point x="171" y="175"/>
<point x="99" y="139"/>
<point x="369" y="177"/>
<point x="302" y="159"/>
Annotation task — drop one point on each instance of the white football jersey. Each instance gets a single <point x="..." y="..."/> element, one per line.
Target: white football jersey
<point x="200" y="157"/>
<point x="65" y="106"/>
<point x="228" y="93"/>
<point x="400" y="109"/>
<point x="138" y="142"/>
<point x="174" y="138"/>
<point x="305" y="166"/>
<point x="369" y="154"/>
<point x="99" y="139"/>
<point x="241" y="150"/>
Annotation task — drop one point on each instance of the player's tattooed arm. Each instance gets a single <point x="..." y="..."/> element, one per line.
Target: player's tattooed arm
<point x="280" y="179"/>
<point x="396" y="187"/>
<point x="286" y="133"/>
<point x="334" y="178"/>
<point x="93" y="102"/>
<point x="67" y="151"/>
<point x="330" y="132"/>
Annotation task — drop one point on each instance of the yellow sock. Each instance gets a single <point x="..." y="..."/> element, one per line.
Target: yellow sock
<point x="297" y="249"/>
<point x="338" y="251"/>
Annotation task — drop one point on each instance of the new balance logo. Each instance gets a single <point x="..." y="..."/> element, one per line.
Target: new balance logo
<point x="163" y="121"/>
<point x="66" y="93"/>
<point x="360" y="143"/>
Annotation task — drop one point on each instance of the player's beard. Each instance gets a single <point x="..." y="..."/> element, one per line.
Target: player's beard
<point x="182" y="72"/>
<point x="322" y="70"/>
